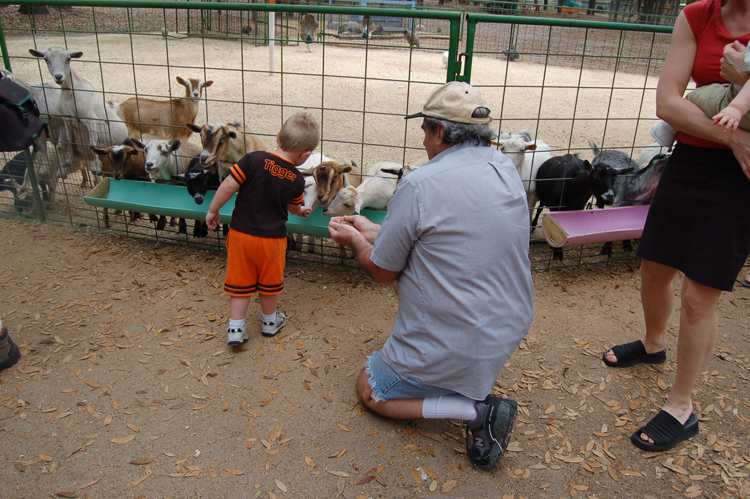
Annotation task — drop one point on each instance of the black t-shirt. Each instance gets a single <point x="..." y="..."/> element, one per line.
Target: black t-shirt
<point x="268" y="184"/>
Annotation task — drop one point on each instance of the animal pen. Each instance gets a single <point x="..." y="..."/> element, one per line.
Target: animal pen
<point x="567" y="81"/>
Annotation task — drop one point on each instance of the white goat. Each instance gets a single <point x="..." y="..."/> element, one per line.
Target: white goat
<point x="92" y="122"/>
<point x="528" y="156"/>
<point x="163" y="119"/>
<point x="162" y="161"/>
<point x="375" y="191"/>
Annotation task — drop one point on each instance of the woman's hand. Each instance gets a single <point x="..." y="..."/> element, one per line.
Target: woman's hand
<point x="733" y="64"/>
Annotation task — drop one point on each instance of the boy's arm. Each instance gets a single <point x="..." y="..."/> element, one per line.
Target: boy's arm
<point x="298" y="209"/>
<point x="226" y="190"/>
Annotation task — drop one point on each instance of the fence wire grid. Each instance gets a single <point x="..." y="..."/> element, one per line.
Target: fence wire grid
<point x="570" y="82"/>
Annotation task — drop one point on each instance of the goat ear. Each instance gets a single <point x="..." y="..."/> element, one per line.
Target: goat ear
<point x="193" y="128"/>
<point x="308" y="172"/>
<point x="138" y="143"/>
<point x="181" y="81"/>
<point x="531" y="146"/>
<point x="208" y="83"/>
<point x="232" y="134"/>
<point x="345" y="169"/>
<point x="392" y="171"/>
<point x="174" y="145"/>
<point x="36" y="53"/>
<point x="99" y="151"/>
<point x="587" y="166"/>
<point x="626" y="171"/>
<point x="76" y="55"/>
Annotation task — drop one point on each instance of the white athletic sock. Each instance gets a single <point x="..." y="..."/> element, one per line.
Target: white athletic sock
<point x="268" y="319"/>
<point x="449" y="407"/>
<point x="237" y="324"/>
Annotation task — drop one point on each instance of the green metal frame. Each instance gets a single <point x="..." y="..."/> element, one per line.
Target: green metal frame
<point x="459" y="63"/>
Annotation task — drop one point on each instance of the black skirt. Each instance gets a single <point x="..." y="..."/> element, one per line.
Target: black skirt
<point x="699" y="220"/>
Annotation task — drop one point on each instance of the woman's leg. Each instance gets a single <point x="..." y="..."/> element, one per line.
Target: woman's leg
<point x="657" y="299"/>
<point x="699" y="327"/>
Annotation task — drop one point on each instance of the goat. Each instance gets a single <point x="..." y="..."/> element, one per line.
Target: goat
<point x="375" y="191"/>
<point x="163" y="119"/>
<point x="310" y="197"/>
<point x="123" y="161"/>
<point x="92" y="122"/>
<point x="162" y="162"/>
<point x="224" y="145"/>
<point x="567" y="182"/>
<point x="67" y="153"/>
<point x="636" y="189"/>
<point x="198" y="182"/>
<point x="400" y="173"/>
<point x="13" y="178"/>
<point x="329" y="177"/>
<point x="616" y="160"/>
<point x="527" y="155"/>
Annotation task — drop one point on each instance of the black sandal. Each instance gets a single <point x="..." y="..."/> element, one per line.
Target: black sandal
<point x="630" y="354"/>
<point x="665" y="431"/>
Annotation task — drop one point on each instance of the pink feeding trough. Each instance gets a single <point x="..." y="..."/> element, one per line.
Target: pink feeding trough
<point x="569" y="228"/>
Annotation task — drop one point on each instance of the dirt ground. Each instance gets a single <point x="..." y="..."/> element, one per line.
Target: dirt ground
<point x="126" y="387"/>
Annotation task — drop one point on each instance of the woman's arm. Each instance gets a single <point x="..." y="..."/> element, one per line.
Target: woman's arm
<point x="683" y="114"/>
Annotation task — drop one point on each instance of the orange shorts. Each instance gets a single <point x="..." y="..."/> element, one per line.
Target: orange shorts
<point x="254" y="264"/>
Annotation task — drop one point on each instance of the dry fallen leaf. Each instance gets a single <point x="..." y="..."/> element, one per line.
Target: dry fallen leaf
<point x="309" y="462"/>
<point x="430" y="472"/>
<point x="448" y="486"/>
<point x="141" y="461"/>
<point x="123" y="440"/>
<point x="343" y="427"/>
<point x="234" y="472"/>
<point x="280" y="485"/>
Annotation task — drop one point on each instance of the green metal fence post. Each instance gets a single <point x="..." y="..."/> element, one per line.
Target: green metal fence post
<point x="34" y="185"/>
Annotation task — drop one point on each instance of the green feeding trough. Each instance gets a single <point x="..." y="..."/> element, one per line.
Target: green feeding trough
<point x="174" y="201"/>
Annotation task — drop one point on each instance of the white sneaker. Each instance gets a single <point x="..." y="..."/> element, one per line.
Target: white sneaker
<point x="664" y="133"/>
<point x="272" y="328"/>
<point x="236" y="336"/>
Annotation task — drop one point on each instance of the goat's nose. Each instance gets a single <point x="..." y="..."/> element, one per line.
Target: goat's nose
<point x="149" y="166"/>
<point x="59" y="77"/>
<point x="198" y="199"/>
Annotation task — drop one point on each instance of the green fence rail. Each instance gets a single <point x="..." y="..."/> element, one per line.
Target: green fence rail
<point x="568" y="80"/>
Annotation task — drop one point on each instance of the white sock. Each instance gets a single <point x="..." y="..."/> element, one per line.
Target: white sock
<point x="449" y="407"/>
<point x="268" y="319"/>
<point x="237" y="324"/>
<point x="1" y="323"/>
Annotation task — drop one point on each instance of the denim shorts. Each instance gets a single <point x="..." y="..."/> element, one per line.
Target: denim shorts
<point x="387" y="384"/>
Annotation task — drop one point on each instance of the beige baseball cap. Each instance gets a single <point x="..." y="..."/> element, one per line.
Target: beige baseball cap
<point x="454" y="101"/>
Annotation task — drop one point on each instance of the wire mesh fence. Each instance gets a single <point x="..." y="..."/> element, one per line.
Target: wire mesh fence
<point x="362" y="72"/>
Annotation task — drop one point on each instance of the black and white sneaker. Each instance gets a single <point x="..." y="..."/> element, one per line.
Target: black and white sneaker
<point x="486" y="443"/>
<point x="272" y="328"/>
<point x="236" y="336"/>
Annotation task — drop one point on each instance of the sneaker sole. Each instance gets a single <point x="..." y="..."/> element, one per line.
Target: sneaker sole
<point x="500" y="431"/>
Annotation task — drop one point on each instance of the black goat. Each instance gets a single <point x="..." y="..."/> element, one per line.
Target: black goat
<point x="617" y="160"/>
<point x="637" y="189"/>
<point x="198" y="181"/>
<point x="567" y="182"/>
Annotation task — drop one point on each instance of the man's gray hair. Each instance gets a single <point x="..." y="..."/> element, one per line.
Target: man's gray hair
<point x="456" y="133"/>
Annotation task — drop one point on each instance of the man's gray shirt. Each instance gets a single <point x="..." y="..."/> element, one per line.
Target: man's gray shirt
<point x="458" y="230"/>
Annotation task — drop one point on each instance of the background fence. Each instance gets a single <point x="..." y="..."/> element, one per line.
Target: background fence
<point x="576" y="79"/>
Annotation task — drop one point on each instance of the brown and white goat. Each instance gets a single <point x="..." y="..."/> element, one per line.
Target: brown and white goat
<point x="163" y="119"/>
<point x="122" y="162"/>
<point x="225" y="145"/>
<point x="329" y="177"/>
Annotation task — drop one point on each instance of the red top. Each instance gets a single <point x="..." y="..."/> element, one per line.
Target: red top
<point x="711" y="35"/>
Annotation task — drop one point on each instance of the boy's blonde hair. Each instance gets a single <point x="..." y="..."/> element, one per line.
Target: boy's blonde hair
<point x="299" y="133"/>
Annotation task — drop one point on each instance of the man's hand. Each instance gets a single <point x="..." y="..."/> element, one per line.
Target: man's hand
<point x="364" y="226"/>
<point x="729" y="118"/>
<point x="733" y="63"/>
<point x="343" y="233"/>
<point x="212" y="219"/>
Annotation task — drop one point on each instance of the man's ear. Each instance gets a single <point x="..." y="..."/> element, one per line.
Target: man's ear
<point x="440" y="132"/>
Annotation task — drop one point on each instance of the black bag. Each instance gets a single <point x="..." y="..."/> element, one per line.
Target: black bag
<point x="20" y="124"/>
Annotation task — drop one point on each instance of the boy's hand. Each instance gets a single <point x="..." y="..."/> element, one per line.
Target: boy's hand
<point x="305" y="212"/>
<point x="729" y="117"/>
<point x="212" y="219"/>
